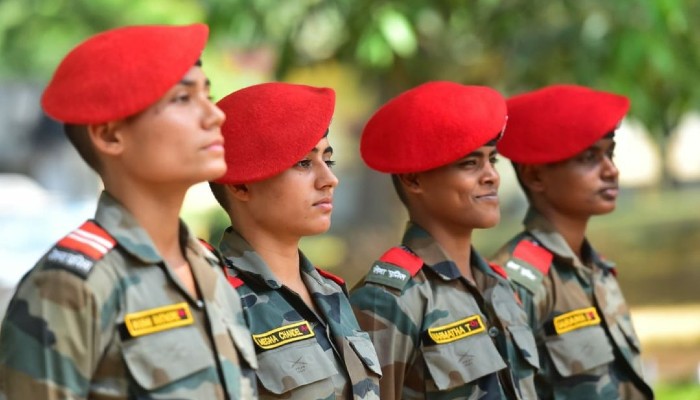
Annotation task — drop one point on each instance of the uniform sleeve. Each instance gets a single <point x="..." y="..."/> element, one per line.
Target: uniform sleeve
<point x="48" y="339"/>
<point x="394" y="334"/>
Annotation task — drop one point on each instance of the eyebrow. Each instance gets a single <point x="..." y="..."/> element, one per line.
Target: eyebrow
<point x="190" y="83"/>
<point x="479" y="153"/>
<point x="328" y="149"/>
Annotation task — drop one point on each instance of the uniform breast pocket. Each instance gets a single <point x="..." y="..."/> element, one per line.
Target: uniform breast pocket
<point x="525" y="342"/>
<point x="579" y="351"/>
<point x="173" y="362"/>
<point x="462" y="361"/>
<point x="295" y="367"/>
<point x="362" y="346"/>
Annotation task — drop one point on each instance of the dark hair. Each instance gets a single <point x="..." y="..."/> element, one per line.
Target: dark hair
<point x="219" y="192"/>
<point x="399" y="189"/>
<point x="79" y="138"/>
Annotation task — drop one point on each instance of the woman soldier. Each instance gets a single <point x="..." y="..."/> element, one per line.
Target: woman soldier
<point x="278" y="189"/>
<point x="445" y="324"/>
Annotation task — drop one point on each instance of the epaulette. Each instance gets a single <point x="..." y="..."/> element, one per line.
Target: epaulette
<point x="335" y="278"/>
<point x="394" y="268"/>
<point x="529" y="264"/>
<point x="235" y="281"/>
<point x="81" y="249"/>
<point x="340" y="281"/>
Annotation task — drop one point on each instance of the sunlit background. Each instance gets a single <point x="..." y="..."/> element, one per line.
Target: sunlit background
<point x="368" y="51"/>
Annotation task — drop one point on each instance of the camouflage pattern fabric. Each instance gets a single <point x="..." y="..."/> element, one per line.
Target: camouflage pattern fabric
<point x="302" y="354"/>
<point x="440" y="337"/>
<point x="588" y="346"/>
<point x="118" y="325"/>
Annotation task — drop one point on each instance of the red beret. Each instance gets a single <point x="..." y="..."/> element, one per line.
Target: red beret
<point x="557" y="122"/>
<point x="430" y="126"/>
<point x="120" y="72"/>
<point x="271" y="126"/>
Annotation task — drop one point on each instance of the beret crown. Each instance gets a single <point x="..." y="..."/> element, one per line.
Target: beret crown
<point x="557" y="122"/>
<point x="431" y="125"/>
<point x="120" y="72"/>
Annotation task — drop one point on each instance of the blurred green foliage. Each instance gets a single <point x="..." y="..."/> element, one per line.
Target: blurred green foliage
<point x="648" y="49"/>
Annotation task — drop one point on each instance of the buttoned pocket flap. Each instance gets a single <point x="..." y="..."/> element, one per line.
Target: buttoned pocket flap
<point x="241" y="338"/>
<point x="463" y="361"/>
<point x="363" y="347"/>
<point x="525" y="342"/>
<point x="294" y="365"/>
<point x="162" y="358"/>
<point x="579" y="350"/>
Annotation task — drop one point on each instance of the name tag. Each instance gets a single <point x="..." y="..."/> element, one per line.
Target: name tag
<point x="284" y="335"/>
<point x="456" y="330"/>
<point x="158" y="319"/>
<point x="575" y="320"/>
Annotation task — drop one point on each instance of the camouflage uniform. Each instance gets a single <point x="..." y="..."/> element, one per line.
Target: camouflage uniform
<point x="588" y="346"/>
<point x="302" y="355"/>
<point x="439" y="336"/>
<point x="102" y="317"/>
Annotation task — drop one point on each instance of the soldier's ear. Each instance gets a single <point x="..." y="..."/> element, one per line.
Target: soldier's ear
<point x="410" y="182"/>
<point x="239" y="192"/>
<point x="532" y="177"/>
<point x="106" y="138"/>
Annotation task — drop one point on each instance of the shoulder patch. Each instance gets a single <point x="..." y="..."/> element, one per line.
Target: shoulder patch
<point x="335" y="278"/>
<point x="403" y="258"/>
<point x="535" y="255"/>
<point x="395" y="268"/>
<point x="78" y="251"/>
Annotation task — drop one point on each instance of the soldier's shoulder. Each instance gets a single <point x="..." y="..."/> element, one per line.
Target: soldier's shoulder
<point x="525" y="262"/>
<point x="80" y="250"/>
<point x="395" y="268"/>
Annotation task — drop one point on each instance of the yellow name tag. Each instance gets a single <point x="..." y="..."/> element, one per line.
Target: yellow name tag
<point x="457" y="330"/>
<point x="576" y="319"/>
<point x="283" y="335"/>
<point x="158" y="319"/>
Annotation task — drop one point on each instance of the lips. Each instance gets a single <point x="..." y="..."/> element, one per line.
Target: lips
<point x="325" y="204"/>
<point x="609" y="192"/>
<point x="488" y="196"/>
<point x="217" y="144"/>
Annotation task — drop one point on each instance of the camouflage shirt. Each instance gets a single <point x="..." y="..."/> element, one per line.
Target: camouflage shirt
<point x="588" y="346"/>
<point x="437" y="335"/>
<point x="101" y="316"/>
<point x="302" y="354"/>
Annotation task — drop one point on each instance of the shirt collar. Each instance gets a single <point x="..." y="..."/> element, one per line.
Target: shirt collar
<point x="242" y="257"/>
<point x="419" y="241"/>
<point x="546" y="234"/>
<point x="121" y="224"/>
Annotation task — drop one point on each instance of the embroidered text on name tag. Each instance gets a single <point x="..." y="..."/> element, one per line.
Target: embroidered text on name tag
<point x="158" y="319"/>
<point x="576" y="319"/>
<point x="283" y="335"/>
<point x="456" y="330"/>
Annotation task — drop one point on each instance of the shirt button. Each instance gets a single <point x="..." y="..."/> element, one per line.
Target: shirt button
<point x="493" y="331"/>
<point x="199" y="304"/>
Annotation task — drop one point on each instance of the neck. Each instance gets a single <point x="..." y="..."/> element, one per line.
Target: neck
<point x="157" y="212"/>
<point x="455" y="242"/>
<point x="280" y="254"/>
<point x="571" y="228"/>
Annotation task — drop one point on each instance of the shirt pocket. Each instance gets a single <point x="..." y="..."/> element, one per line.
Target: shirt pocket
<point x="241" y="340"/>
<point x="161" y="359"/>
<point x="580" y="350"/>
<point x="463" y="361"/>
<point x="294" y="366"/>
<point x="525" y="343"/>
<point x="364" y="349"/>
